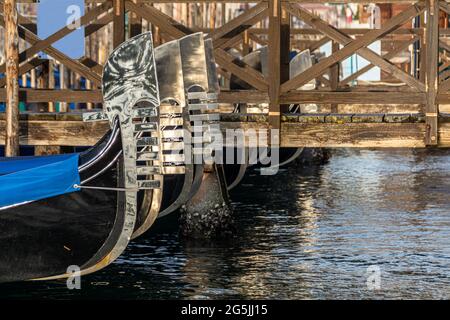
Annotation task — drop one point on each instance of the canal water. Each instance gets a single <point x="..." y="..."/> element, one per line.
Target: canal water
<point x="369" y="224"/>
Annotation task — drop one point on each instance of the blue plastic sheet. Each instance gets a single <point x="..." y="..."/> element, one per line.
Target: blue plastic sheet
<point x="27" y="179"/>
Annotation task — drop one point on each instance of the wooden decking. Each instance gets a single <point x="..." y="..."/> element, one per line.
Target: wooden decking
<point x="297" y="130"/>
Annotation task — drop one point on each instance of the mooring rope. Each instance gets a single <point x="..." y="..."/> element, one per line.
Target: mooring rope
<point x="76" y="186"/>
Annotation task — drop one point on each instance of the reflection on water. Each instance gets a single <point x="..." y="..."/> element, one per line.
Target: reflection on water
<point x="305" y="233"/>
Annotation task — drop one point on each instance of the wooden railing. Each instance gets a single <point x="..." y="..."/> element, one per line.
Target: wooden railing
<point x="424" y="84"/>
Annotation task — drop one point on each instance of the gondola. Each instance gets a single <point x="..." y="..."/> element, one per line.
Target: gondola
<point x="188" y="86"/>
<point x="81" y="209"/>
<point x="258" y="60"/>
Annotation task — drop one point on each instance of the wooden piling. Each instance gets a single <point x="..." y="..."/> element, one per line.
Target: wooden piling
<point x="274" y="63"/>
<point x="12" y="78"/>
<point x="135" y="23"/>
<point x="119" y="22"/>
<point x="63" y="85"/>
<point x="334" y="76"/>
<point x="33" y="79"/>
<point x="279" y="51"/>
<point x="432" y="48"/>
<point x="42" y="83"/>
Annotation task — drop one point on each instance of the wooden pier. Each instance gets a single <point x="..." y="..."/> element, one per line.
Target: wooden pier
<point x="297" y="130"/>
<point x="406" y="108"/>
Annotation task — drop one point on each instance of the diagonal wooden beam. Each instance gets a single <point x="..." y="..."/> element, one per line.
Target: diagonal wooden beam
<point x="444" y="6"/>
<point x="45" y="45"/>
<point x="445" y="86"/>
<point x="444" y="46"/>
<point x="99" y="24"/>
<point x="239" y="24"/>
<point x="443" y="77"/>
<point x="176" y="30"/>
<point x="353" y="46"/>
<point x="61" y="33"/>
<point x="257" y="39"/>
<point x="170" y="26"/>
<point x="316" y="45"/>
<point x="58" y="55"/>
<point x="324" y="80"/>
<point x="389" y="55"/>
<point x="89" y="29"/>
<point x="91" y="64"/>
<point x="24" y="68"/>
<point x="248" y="24"/>
<point x="242" y="70"/>
<point x="230" y="43"/>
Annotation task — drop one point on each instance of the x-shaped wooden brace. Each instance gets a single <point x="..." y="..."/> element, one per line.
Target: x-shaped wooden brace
<point x="352" y="46"/>
<point x="45" y="44"/>
<point x="222" y="37"/>
<point x="390" y="55"/>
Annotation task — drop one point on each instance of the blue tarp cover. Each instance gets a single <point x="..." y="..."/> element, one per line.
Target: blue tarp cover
<point x="26" y="179"/>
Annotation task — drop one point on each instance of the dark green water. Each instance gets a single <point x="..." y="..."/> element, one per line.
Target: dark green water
<point x="303" y="234"/>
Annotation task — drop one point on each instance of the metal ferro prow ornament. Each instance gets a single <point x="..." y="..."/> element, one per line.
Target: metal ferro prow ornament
<point x="129" y="81"/>
<point x="175" y="120"/>
<point x="131" y="93"/>
<point x="196" y="84"/>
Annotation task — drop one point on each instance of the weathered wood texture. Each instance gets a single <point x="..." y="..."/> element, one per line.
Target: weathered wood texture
<point x="274" y="63"/>
<point x="12" y="79"/>
<point x="315" y="130"/>
<point x="432" y="48"/>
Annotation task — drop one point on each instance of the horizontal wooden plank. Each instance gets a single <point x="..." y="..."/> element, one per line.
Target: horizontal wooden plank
<point x="397" y="131"/>
<point x="353" y="135"/>
<point x="43" y="95"/>
<point x="58" y="133"/>
<point x="353" y="97"/>
<point x="250" y="96"/>
<point x="244" y="96"/>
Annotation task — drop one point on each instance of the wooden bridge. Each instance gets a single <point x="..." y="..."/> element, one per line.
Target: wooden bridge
<point x="408" y="108"/>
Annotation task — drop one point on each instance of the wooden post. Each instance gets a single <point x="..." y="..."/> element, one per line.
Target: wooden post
<point x="155" y="32"/>
<point x="46" y="80"/>
<point x="423" y="51"/>
<point x="245" y="38"/>
<point x="224" y="13"/>
<point x="245" y="43"/>
<point x="213" y="16"/>
<point x="75" y="84"/>
<point x="285" y="46"/>
<point x="51" y="82"/>
<point x="135" y="23"/>
<point x="119" y="23"/>
<point x="89" y="105"/>
<point x="334" y="76"/>
<point x="33" y="79"/>
<point x="12" y="78"/>
<point x="63" y="85"/>
<point x="432" y="48"/>
<point x="274" y="63"/>
<point x="279" y="51"/>
<point x="24" y="80"/>
<point x="42" y="83"/>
